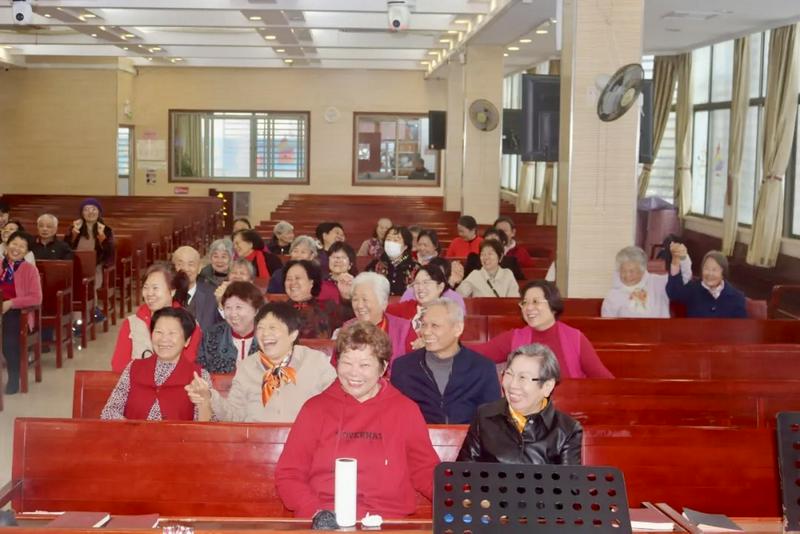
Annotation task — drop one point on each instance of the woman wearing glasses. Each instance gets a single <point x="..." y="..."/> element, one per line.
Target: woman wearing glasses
<point x="524" y="427"/>
<point x="541" y="306"/>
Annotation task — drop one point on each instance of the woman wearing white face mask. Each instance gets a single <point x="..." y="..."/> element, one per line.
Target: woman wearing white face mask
<point x="396" y="262"/>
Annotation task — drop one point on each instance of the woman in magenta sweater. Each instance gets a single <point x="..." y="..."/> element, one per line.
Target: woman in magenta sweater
<point x="361" y="416"/>
<point x="541" y="306"/>
<point x="21" y="288"/>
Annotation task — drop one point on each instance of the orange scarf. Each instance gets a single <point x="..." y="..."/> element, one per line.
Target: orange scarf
<point x="275" y="376"/>
<point x="520" y="419"/>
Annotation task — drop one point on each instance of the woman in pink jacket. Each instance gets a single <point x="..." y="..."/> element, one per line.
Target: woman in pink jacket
<point x="21" y="288"/>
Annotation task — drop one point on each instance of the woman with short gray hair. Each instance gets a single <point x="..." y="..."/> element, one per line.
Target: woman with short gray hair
<point x="220" y="258"/>
<point x="282" y="238"/>
<point x="635" y="292"/>
<point x="524" y="427"/>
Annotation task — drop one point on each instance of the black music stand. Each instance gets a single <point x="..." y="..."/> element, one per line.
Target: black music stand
<point x="789" y="466"/>
<point x="492" y="498"/>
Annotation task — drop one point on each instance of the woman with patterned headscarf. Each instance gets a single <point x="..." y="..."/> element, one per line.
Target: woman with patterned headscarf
<point x="272" y="384"/>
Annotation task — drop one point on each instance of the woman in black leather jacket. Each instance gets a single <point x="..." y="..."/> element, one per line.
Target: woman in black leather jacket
<point x="524" y="427"/>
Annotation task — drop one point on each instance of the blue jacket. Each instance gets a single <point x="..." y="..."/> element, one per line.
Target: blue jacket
<point x="700" y="303"/>
<point x="473" y="381"/>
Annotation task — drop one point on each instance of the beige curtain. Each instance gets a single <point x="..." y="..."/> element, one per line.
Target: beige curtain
<point x="664" y="86"/>
<point x="739" y="102"/>
<point x="780" y="110"/>
<point x="683" y="135"/>
<point x="525" y="186"/>
<point x="547" y="208"/>
<point x="189" y="155"/>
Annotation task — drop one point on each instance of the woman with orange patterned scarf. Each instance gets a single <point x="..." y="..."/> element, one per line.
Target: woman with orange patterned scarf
<point x="272" y="384"/>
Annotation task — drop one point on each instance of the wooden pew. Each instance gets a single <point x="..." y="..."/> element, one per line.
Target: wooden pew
<point x="227" y="469"/>
<point x="84" y="300"/>
<point x="57" y="304"/>
<point x="750" y="403"/>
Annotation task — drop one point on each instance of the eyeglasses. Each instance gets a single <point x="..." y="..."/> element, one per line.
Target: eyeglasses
<point x="524" y="303"/>
<point x="522" y="378"/>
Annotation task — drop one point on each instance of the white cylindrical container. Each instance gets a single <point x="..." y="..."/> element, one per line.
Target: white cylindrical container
<point x="346" y="474"/>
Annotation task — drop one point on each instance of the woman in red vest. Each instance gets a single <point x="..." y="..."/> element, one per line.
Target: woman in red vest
<point x="154" y="388"/>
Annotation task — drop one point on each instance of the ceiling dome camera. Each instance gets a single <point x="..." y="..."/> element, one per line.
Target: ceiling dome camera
<point x="399" y="12"/>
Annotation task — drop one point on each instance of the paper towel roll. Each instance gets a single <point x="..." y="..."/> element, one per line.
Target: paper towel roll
<point x="345" y="491"/>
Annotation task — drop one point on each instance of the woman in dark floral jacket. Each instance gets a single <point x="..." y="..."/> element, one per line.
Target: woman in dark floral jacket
<point x="396" y="262"/>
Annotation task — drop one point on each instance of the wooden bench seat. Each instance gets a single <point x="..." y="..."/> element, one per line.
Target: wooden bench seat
<point x="226" y="469"/>
<point x="750" y="403"/>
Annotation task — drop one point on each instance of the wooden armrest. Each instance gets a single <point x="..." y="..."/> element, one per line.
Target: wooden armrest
<point x="12" y="490"/>
<point x="776" y="295"/>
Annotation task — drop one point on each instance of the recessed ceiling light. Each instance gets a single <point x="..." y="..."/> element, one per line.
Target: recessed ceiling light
<point x="254" y="17"/>
<point x="433" y="53"/>
<point x="461" y="21"/>
<point x="288" y="61"/>
<point x="155" y="49"/>
<point x="505" y="54"/>
<point x="176" y="59"/>
<point x="513" y="48"/>
<point x="129" y="35"/>
<point x="269" y="37"/>
<point x="90" y="15"/>
<point x="541" y="32"/>
<point x="452" y="32"/>
<point x="446" y="41"/>
<point x="140" y="46"/>
<point x="47" y="15"/>
<point x="425" y="62"/>
<point x="94" y="35"/>
<point x="103" y="28"/>
<point x="280" y="50"/>
<point x="525" y="41"/>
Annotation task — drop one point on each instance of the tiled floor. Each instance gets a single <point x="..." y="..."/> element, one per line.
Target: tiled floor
<point x="52" y="397"/>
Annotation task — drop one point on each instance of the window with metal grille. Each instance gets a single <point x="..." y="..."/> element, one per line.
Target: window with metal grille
<point x="124" y="151"/>
<point x="261" y="147"/>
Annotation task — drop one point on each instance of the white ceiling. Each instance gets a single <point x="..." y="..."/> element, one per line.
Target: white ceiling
<point x="342" y="33"/>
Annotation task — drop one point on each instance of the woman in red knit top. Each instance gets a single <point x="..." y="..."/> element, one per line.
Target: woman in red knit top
<point x="467" y="240"/>
<point x="155" y="388"/>
<point x="541" y="306"/>
<point x="19" y="282"/>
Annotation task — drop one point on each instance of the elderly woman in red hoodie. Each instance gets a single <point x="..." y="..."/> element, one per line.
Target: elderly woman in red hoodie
<point x="362" y="416"/>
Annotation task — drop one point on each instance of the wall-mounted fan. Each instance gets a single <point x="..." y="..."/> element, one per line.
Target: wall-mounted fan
<point x="484" y="115"/>
<point x="621" y="92"/>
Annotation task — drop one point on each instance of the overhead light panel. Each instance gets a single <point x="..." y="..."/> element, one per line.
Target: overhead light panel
<point x="270" y="37"/>
<point x="461" y="21"/>
<point x="505" y="54"/>
<point x="513" y="48"/>
<point x="288" y="61"/>
<point x="445" y="41"/>
<point x="254" y="17"/>
<point x="280" y="50"/>
<point x="89" y="16"/>
<point x="525" y="41"/>
<point x="452" y="32"/>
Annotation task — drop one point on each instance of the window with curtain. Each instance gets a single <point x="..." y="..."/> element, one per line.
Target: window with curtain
<point x="511" y="163"/>
<point x="260" y="146"/>
<point x="662" y="174"/>
<point x="712" y="79"/>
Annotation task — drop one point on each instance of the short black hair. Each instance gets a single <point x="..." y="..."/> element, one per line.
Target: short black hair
<point x="436" y="274"/>
<point x="408" y="239"/>
<point x="505" y="219"/>
<point x="468" y="222"/>
<point x="188" y="323"/>
<point x="494" y="245"/>
<point x="4" y="208"/>
<point x="244" y="220"/>
<point x="20" y="227"/>
<point x="326" y="227"/>
<point x="252" y="237"/>
<point x="444" y="266"/>
<point x="347" y="249"/>
<point x="284" y="312"/>
<point x="25" y="236"/>
<point x="551" y="294"/>
<point x="499" y="233"/>
<point x="431" y="234"/>
<point x="313" y="272"/>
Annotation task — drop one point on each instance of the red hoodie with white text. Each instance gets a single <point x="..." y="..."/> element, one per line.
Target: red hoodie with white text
<point x="386" y="434"/>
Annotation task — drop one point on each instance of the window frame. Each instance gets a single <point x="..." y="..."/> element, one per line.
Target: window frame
<point x="354" y="181"/>
<point x="240" y="180"/>
<point x="131" y="149"/>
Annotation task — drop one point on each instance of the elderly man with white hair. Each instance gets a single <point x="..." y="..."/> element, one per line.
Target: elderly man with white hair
<point x="447" y="381"/>
<point x="370" y="299"/>
<point x="202" y="302"/>
<point x="47" y="245"/>
<point x="636" y="292"/>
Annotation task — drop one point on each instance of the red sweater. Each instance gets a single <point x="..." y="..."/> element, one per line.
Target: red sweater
<point x="386" y="434"/>
<point x="499" y="347"/>
<point x="27" y="289"/>
<point x="122" y="351"/>
<point x="460" y="248"/>
<point x="521" y="253"/>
